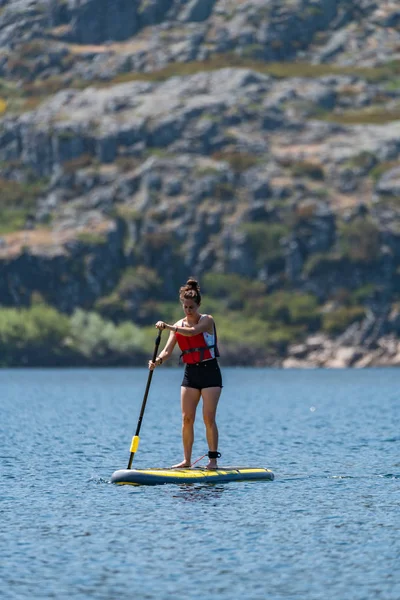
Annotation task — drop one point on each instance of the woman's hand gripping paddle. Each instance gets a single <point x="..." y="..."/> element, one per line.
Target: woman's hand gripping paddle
<point x="136" y="439"/>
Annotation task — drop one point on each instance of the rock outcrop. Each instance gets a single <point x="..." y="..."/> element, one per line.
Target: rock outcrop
<point x="274" y="175"/>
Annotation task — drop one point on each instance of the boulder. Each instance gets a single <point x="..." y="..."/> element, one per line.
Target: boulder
<point x="97" y="21"/>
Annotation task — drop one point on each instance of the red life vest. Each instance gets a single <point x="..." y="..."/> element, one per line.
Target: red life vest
<point x="195" y="349"/>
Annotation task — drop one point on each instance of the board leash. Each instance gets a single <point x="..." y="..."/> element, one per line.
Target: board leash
<point x="201" y="458"/>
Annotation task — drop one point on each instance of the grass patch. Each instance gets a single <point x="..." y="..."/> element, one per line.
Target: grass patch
<point x="377" y="172"/>
<point x="12" y="219"/>
<point x="11" y="96"/>
<point x="281" y="70"/>
<point x="17" y="200"/>
<point x="239" y="161"/>
<point x="364" y="160"/>
<point x="128" y="213"/>
<point x="92" y="238"/>
<point x="32" y="49"/>
<point x="32" y="94"/>
<point x="368" y="116"/>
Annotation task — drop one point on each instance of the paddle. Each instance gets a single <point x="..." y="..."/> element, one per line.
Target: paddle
<point x="136" y="439"/>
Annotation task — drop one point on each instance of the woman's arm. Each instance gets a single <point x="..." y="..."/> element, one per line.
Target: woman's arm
<point x="205" y="324"/>
<point x="165" y="352"/>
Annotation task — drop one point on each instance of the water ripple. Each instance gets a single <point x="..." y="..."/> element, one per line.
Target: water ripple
<point x="329" y="520"/>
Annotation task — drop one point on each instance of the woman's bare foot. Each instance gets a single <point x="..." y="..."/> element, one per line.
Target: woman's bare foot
<point x="212" y="464"/>
<point x="182" y="465"/>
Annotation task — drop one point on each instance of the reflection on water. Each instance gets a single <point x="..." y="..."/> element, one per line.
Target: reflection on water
<point x="195" y="492"/>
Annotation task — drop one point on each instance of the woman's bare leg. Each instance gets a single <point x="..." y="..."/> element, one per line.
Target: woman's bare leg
<point x="189" y="400"/>
<point x="210" y="402"/>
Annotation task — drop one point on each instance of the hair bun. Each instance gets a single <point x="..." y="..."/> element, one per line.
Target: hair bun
<point x="193" y="283"/>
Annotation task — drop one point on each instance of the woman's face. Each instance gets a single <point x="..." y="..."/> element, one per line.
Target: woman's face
<point x="190" y="307"/>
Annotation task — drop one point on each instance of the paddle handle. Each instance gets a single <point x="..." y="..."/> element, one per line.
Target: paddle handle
<point x="136" y="439"/>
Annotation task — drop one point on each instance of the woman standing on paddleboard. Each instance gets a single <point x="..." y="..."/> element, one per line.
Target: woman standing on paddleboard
<point x="196" y="337"/>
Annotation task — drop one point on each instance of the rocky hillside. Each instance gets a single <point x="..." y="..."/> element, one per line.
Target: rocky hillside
<point x="142" y="141"/>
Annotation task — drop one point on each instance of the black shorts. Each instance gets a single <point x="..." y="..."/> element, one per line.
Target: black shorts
<point x="202" y="375"/>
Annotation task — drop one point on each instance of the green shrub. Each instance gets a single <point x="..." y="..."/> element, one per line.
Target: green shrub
<point x="254" y="336"/>
<point x="158" y="241"/>
<point x="41" y="335"/>
<point x="231" y="288"/>
<point x="338" y="320"/>
<point x="135" y="279"/>
<point x="137" y="290"/>
<point x="308" y="169"/>
<point x="50" y="326"/>
<point x="232" y="327"/>
<point x="95" y="338"/>
<point x="112" y="307"/>
<point x="264" y="240"/>
<point x="212" y="306"/>
<point x="303" y="309"/>
<point x="14" y="194"/>
<point x="224" y="191"/>
<point x="363" y="160"/>
<point x="359" y="240"/>
<point x="362" y="294"/>
<point x="286" y="308"/>
<point x="280" y="337"/>
<point x="125" y="338"/>
<point x="348" y="297"/>
<point x="322" y="262"/>
<point x="29" y="333"/>
<point x="170" y="312"/>
<point x="17" y="200"/>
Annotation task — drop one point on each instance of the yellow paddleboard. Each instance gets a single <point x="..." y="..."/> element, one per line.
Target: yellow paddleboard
<point x="191" y="475"/>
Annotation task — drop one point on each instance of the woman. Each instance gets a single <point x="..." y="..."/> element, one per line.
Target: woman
<point x="197" y="339"/>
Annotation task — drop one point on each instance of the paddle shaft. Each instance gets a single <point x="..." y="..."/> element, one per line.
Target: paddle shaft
<point x="146" y="393"/>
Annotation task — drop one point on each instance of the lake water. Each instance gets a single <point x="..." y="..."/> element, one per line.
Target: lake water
<point x="327" y="527"/>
